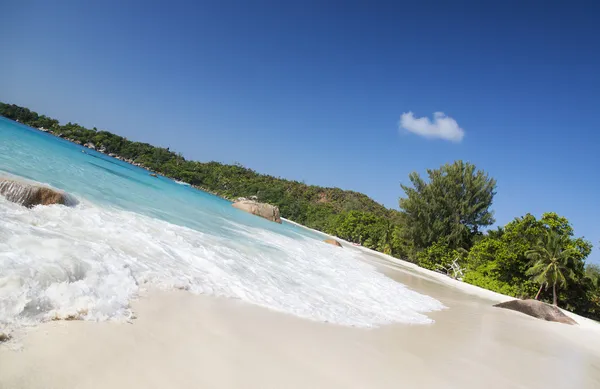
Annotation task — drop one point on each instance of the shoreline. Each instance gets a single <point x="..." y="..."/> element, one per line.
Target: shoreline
<point x="180" y="340"/>
<point x="464" y="287"/>
<point x="122" y="159"/>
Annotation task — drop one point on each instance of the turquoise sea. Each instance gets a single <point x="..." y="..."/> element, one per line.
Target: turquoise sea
<point x="130" y="231"/>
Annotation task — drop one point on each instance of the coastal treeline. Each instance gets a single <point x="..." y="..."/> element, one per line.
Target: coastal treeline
<point x="443" y="222"/>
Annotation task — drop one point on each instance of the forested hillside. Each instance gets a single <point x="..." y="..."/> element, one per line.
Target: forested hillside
<point x="351" y="215"/>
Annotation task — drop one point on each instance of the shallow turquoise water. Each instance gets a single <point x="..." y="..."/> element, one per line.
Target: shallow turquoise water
<point x="131" y="231"/>
<point x="110" y="182"/>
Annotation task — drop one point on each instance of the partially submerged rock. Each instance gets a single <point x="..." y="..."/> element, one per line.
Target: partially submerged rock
<point x="333" y="242"/>
<point x="538" y="310"/>
<point x="4" y="336"/>
<point x="30" y="195"/>
<point x="267" y="211"/>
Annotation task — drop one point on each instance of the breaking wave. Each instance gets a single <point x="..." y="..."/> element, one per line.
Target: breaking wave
<point x="87" y="262"/>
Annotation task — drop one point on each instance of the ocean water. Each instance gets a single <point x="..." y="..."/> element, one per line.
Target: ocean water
<point x="130" y="231"/>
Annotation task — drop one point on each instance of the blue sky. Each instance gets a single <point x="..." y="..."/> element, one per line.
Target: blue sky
<point x="315" y="90"/>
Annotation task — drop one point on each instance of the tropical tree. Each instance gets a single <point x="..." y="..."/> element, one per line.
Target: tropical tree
<point x="387" y="237"/>
<point x="451" y="208"/>
<point x="552" y="263"/>
<point x="592" y="272"/>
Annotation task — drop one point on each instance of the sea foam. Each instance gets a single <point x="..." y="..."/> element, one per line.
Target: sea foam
<point x="87" y="262"/>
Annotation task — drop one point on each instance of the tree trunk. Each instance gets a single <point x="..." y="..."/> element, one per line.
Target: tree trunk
<point x="537" y="296"/>
<point x="554" y="298"/>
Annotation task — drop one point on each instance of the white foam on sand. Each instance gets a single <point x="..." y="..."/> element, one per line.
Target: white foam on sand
<point x="396" y="263"/>
<point x="87" y="262"/>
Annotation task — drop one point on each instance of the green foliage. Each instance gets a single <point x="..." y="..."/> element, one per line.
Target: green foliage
<point x="507" y="247"/>
<point x="592" y="273"/>
<point x="367" y="229"/>
<point x="587" y="300"/>
<point x="499" y="261"/>
<point x="451" y="207"/>
<point x="487" y="278"/>
<point x="552" y="261"/>
<point x="437" y="256"/>
<point x="502" y="262"/>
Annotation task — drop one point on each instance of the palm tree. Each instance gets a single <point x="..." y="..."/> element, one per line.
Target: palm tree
<point x="551" y="263"/>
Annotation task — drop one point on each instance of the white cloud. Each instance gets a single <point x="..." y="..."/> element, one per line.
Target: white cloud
<point x="443" y="127"/>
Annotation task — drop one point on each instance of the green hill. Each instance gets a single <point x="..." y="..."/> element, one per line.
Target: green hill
<point x="347" y="214"/>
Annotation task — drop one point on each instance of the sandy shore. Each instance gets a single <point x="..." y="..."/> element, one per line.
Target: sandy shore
<point x="386" y="261"/>
<point x="181" y="340"/>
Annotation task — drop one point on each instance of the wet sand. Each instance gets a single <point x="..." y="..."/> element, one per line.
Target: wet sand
<point x="181" y="340"/>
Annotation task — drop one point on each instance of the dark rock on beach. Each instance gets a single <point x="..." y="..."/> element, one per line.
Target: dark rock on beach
<point x="538" y="310"/>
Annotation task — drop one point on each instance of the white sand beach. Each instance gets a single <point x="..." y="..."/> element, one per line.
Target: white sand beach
<point x="149" y="151"/>
<point x="181" y="340"/>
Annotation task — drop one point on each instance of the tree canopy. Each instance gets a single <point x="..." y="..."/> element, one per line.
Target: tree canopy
<point x="452" y="207"/>
<point x="551" y="262"/>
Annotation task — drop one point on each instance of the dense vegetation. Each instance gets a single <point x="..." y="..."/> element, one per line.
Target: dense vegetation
<point x="453" y="206"/>
<point x="441" y="225"/>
